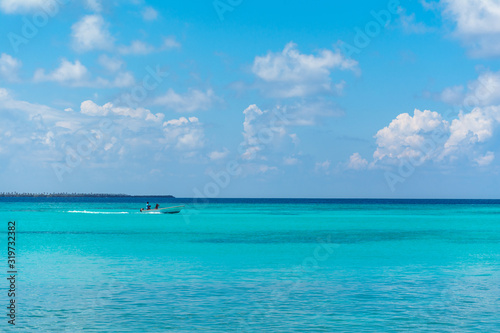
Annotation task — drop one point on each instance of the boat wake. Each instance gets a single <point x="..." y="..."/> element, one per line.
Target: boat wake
<point x="94" y="212"/>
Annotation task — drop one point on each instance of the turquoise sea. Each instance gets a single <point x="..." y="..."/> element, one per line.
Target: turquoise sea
<point x="242" y="265"/>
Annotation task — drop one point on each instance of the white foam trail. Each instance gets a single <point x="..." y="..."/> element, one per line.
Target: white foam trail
<point x="91" y="212"/>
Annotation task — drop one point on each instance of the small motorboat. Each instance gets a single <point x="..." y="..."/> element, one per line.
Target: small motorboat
<point x="167" y="210"/>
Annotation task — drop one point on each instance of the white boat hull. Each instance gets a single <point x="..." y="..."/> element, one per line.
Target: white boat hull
<point x="167" y="210"/>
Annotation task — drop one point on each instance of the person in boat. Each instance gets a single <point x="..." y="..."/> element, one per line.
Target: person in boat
<point x="157" y="206"/>
<point x="148" y="206"/>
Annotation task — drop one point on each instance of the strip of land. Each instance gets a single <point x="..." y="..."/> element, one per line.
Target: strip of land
<point x="76" y="195"/>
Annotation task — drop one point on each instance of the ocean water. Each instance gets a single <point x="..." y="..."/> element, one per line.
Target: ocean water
<point x="244" y="265"/>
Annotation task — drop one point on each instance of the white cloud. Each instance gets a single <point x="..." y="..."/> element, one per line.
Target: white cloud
<point x="9" y="67"/>
<point x="310" y="113"/>
<point x="23" y="6"/>
<point x="122" y="79"/>
<point x="218" y="155"/>
<point x="295" y="138"/>
<point x="410" y="24"/>
<point x="453" y="95"/>
<point x="92" y="109"/>
<point x="356" y="162"/>
<point x="193" y="100"/>
<point x="248" y="169"/>
<point x="8" y="102"/>
<point x="483" y="91"/>
<point x="322" y="167"/>
<point x="406" y="135"/>
<point x="431" y="5"/>
<point x="473" y="127"/>
<point x="290" y="160"/>
<point x="77" y="75"/>
<point x="426" y="136"/>
<point x="149" y="14"/>
<point x="477" y="24"/>
<point x="292" y="74"/>
<point x="184" y="133"/>
<point x="136" y="47"/>
<point x="94" y="5"/>
<point x="33" y="125"/>
<point x="249" y="130"/>
<point x="43" y="135"/>
<point x="486" y="159"/>
<point x="251" y="141"/>
<point x="111" y="64"/>
<point x="66" y="72"/>
<point x="142" y="48"/>
<point x="262" y="168"/>
<point x="171" y="43"/>
<point x="91" y="33"/>
<point x="474" y="16"/>
<point x="71" y="125"/>
<point x="260" y="128"/>
<point x="4" y="94"/>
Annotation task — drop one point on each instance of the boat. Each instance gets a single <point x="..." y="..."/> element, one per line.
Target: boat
<point x="167" y="210"/>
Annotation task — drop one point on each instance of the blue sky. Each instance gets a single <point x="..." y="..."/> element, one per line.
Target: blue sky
<point x="251" y="98"/>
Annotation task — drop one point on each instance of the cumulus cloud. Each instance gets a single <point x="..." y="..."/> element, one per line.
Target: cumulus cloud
<point x="249" y="131"/>
<point x="193" y="100"/>
<point x="111" y="64"/>
<point x="290" y="160"/>
<point x="218" y="155"/>
<point x="66" y="72"/>
<point x="9" y="66"/>
<point x="149" y="14"/>
<point x="136" y="47"/>
<point x="292" y="74"/>
<point x="405" y="136"/>
<point x="453" y="95"/>
<point x="8" y="102"/>
<point x="310" y="113"/>
<point x="409" y="23"/>
<point x="474" y="16"/>
<point x="295" y="138"/>
<point x="45" y="136"/>
<point x="470" y="128"/>
<point x="322" y="167"/>
<point x="170" y="43"/>
<point x="184" y="133"/>
<point x="23" y="6"/>
<point x="356" y="162"/>
<point x="271" y="130"/>
<point x="34" y="126"/>
<point x="91" y="33"/>
<point x="425" y="136"/>
<point x="260" y="128"/>
<point x="77" y="75"/>
<point x="121" y="80"/>
<point x="483" y="91"/>
<point x="485" y="159"/>
<point x="477" y="24"/>
<point x="92" y="109"/>
<point x="94" y="5"/>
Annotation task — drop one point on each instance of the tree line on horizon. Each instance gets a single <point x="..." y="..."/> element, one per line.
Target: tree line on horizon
<point x="65" y="194"/>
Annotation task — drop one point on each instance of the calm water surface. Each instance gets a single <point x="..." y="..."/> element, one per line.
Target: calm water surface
<point x="254" y="266"/>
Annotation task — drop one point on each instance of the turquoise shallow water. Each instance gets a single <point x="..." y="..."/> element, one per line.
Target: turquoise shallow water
<point x="254" y="266"/>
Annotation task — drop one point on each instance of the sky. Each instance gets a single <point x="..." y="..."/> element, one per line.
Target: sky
<point x="235" y="98"/>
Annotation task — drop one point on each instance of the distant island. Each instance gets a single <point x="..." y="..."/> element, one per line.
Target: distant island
<point x="76" y="195"/>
